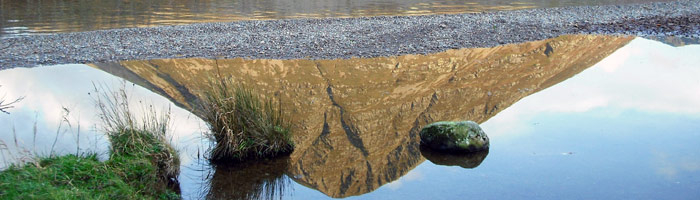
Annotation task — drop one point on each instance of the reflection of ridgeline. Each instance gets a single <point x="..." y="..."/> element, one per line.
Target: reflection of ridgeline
<point x="676" y="41"/>
<point x="357" y="120"/>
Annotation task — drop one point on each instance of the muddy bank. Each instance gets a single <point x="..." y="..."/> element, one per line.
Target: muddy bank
<point x="332" y="38"/>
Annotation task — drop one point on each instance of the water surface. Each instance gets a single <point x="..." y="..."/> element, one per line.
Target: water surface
<point x="570" y="117"/>
<point x="626" y="128"/>
<point x="58" y="16"/>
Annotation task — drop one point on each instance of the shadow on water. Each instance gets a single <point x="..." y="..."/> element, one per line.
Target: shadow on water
<point x="356" y="120"/>
<point x="263" y="179"/>
<point x="465" y="160"/>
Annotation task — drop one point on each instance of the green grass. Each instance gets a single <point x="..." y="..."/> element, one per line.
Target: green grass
<point x="65" y="177"/>
<point x="143" y="137"/>
<point x="142" y="145"/>
<point x="244" y="125"/>
<point x="84" y="177"/>
<point x="142" y="164"/>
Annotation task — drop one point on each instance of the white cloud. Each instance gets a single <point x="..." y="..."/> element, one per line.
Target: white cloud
<point x="413" y="175"/>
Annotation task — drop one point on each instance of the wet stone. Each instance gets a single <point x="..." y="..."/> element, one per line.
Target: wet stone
<point x="454" y="137"/>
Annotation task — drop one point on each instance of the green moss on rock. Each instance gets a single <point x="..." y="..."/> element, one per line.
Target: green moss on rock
<point x="454" y="137"/>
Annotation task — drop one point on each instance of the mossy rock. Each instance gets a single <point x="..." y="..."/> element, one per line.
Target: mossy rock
<point x="454" y="137"/>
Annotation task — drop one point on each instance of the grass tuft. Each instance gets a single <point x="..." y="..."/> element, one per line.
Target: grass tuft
<point x="244" y="125"/>
<point x="144" y="137"/>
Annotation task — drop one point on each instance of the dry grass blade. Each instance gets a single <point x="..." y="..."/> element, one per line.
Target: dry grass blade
<point x="17" y="155"/>
<point x="4" y="106"/>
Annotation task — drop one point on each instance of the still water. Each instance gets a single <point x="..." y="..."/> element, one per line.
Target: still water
<point x="570" y="117"/>
<point x="23" y="17"/>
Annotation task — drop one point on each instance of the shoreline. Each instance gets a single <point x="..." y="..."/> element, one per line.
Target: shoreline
<point x="339" y="38"/>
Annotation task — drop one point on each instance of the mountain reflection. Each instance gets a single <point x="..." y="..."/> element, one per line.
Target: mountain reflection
<point x="357" y="120"/>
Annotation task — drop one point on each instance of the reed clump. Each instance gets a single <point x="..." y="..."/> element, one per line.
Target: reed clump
<point x="144" y="137"/>
<point x="243" y="124"/>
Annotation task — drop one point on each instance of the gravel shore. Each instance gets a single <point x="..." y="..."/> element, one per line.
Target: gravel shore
<point x="331" y="38"/>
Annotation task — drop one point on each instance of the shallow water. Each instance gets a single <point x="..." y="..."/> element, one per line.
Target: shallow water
<point x="53" y="16"/>
<point x="574" y="116"/>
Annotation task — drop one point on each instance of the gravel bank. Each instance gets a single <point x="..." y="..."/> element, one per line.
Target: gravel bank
<point x="331" y="38"/>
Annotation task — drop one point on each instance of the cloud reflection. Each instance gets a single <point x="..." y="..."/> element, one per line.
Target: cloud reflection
<point x="645" y="75"/>
<point x="670" y="166"/>
<point x="413" y="175"/>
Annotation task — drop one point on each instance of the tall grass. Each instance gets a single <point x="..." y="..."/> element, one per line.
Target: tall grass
<point x="23" y="155"/>
<point x="243" y="124"/>
<point x="19" y="157"/>
<point x="137" y="137"/>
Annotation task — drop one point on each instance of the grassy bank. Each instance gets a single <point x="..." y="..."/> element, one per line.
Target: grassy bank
<point x="142" y="164"/>
<point x="85" y="177"/>
<point x="243" y="124"/>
